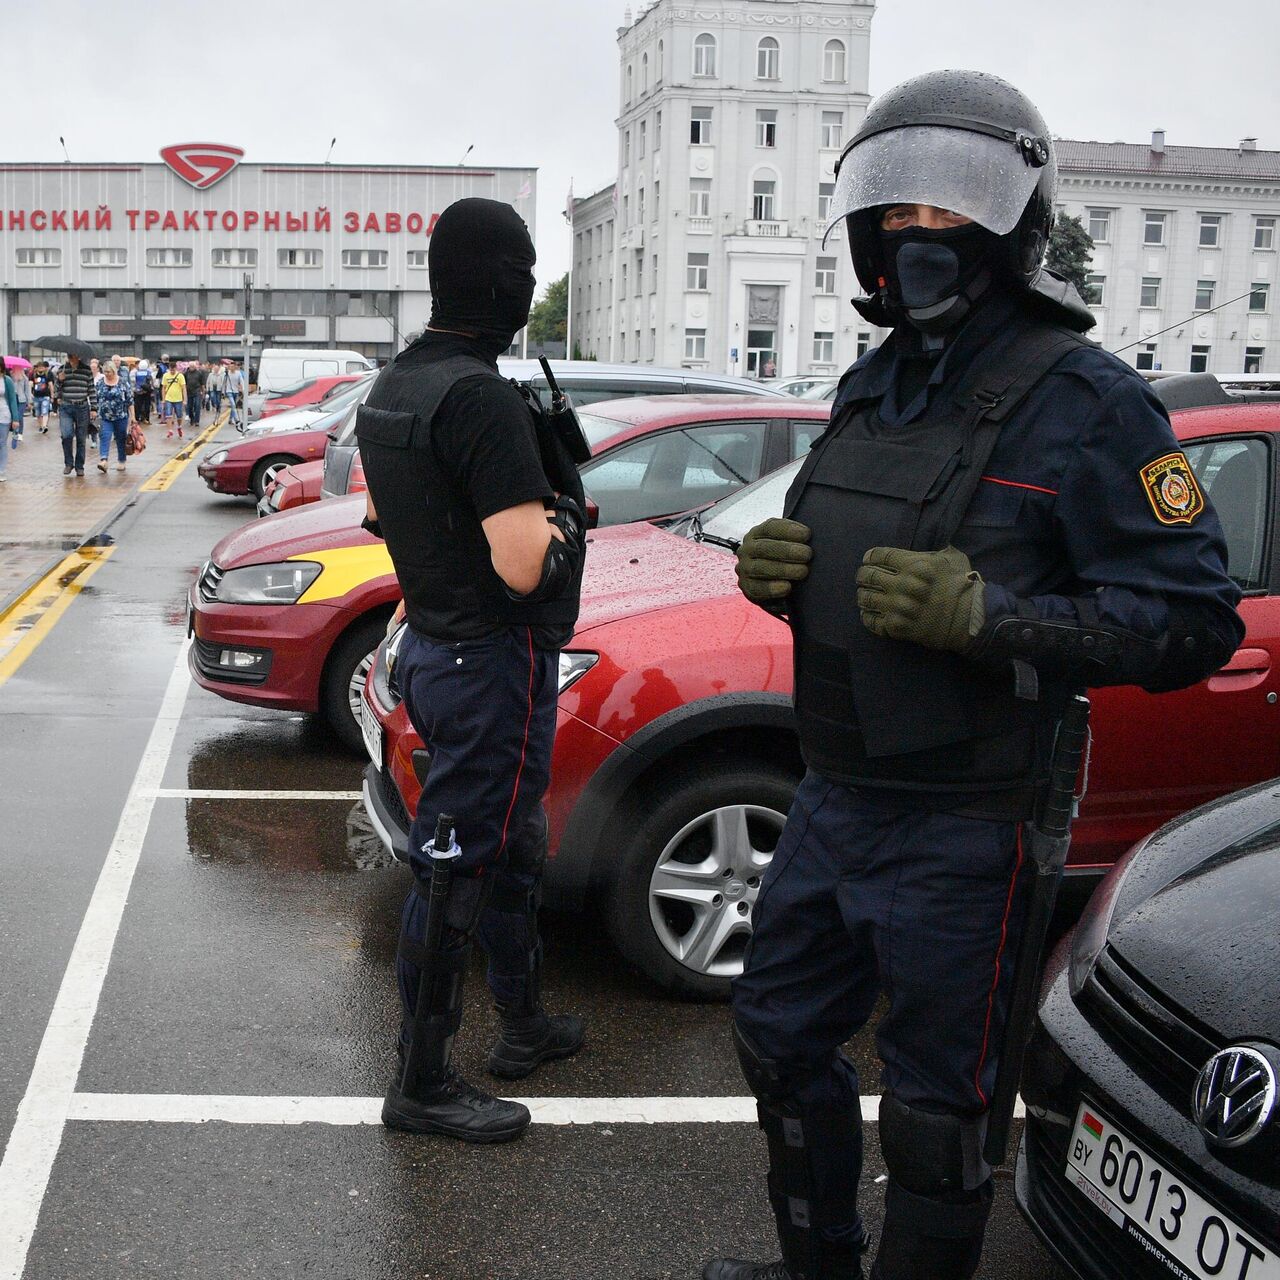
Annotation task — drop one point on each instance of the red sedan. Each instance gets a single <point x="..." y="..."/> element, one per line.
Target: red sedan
<point x="248" y="465"/>
<point x="315" y="391"/>
<point x="676" y="754"/>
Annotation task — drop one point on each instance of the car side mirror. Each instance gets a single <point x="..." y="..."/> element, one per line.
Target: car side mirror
<point x="593" y="513"/>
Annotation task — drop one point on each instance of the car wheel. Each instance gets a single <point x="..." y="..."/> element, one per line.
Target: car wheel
<point x="263" y="472"/>
<point x="679" y="903"/>
<point x="344" y="674"/>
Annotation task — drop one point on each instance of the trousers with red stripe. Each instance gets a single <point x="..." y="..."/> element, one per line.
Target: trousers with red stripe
<point x="870" y="899"/>
<point x="486" y="712"/>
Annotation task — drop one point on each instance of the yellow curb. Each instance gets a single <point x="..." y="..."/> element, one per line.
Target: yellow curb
<point x="33" y="615"/>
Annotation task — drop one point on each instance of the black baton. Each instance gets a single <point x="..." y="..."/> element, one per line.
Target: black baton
<point x="1050" y="839"/>
<point x="443" y="852"/>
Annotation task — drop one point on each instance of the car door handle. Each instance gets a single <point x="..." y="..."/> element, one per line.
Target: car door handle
<point x="1247" y="669"/>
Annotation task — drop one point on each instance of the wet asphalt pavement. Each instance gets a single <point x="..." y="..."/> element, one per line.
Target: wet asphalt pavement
<point x="254" y="959"/>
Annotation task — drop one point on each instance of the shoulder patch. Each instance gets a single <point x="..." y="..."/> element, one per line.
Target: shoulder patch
<point x="1172" y="489"/>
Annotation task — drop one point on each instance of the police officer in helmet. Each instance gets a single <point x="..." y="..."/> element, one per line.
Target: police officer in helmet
<point x="997" y="517"/>
<point x="482" y="511"/>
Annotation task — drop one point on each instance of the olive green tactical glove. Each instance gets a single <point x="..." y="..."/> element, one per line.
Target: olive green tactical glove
<point x="930" y="598"/>
<point x="772" y="556"/>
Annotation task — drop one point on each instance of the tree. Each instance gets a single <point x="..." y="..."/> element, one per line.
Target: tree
<point x="1071" y="252"/>
<point x="549" y="319"/>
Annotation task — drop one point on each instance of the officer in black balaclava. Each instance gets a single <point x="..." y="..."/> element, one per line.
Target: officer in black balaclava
<point x="997" y="517"/>
<point x="482" y="512"/>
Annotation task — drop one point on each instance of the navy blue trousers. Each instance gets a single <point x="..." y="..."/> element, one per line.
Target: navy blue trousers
<point x="486" y="712"/>
<point x="867" y="898"/>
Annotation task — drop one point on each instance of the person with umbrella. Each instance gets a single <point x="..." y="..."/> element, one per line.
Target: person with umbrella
<point x="16" y="367"/>
<point x="8" y="419"/>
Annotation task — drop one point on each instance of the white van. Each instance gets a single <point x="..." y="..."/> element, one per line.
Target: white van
<point x="281" y="367"/>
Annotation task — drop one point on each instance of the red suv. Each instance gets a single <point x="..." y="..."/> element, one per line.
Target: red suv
<point x="676" y="754"/>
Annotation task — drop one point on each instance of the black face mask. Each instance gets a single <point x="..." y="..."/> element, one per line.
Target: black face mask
<point x="480" y="265"/>
<point x="933" y="278"/>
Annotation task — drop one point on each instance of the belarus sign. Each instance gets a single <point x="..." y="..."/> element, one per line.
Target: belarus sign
<point x="199" y="327"/>
<point x="201" y="163"/>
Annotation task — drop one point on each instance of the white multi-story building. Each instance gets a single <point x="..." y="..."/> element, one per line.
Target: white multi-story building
<point x="1185" y="248"/>
<point x="707" y="252"/>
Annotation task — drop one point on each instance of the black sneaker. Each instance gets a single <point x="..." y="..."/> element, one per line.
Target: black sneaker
<point x="736" y="1269"/>
<point x="525" y="1042"/>
<point x="457" y="1110"/>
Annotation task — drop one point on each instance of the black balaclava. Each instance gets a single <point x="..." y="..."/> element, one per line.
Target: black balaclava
<point x="934" y="278"/>
<point x="480" y="265"/>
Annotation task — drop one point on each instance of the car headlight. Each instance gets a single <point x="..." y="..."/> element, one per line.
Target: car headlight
<point x="218" y="458"/>
<point x="268" y="583"/>
<point x="1095" y="922"/>
<point x="573" y="666"/>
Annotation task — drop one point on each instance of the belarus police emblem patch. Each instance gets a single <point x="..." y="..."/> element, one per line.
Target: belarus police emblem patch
<point x="1172" y="489"/>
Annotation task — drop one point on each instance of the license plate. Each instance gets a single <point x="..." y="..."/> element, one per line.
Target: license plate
<point x="191" y="619"/>
<point x="1173" y="1223"/>
<point x="372" y="732"/>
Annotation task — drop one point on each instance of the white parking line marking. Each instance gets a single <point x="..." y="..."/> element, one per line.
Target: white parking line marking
<point x="176" y="1108"/>
<point x="180" y="793"/>
<point x="42" y="1114"/>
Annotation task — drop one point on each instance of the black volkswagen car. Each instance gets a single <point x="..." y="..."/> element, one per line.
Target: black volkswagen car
<point x="1152" y="1144"/>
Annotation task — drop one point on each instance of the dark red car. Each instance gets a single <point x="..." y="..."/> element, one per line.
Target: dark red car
<point x="315" y="391"/>
<point x="676" y="754"/>
<point x="294" y="486"/>
<point x="247" y="466"/>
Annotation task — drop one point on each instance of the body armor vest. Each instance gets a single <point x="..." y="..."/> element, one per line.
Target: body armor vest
<point x="878" y="712"/>
<point x="436" y="541"/>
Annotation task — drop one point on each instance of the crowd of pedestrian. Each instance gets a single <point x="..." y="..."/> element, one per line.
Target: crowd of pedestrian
<point x="111" y="400"/>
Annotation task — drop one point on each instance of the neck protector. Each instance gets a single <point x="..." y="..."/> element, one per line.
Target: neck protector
<point x="934" y="278"/>
<point x="480" y="265"/>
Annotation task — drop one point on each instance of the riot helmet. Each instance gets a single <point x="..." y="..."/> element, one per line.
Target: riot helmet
<point x="964" y="141"/>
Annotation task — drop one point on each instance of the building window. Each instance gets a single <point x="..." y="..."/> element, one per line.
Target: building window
<point x="644" y="74"/>
<point x="704" y="55"/>
<point x="834" y="62"/>
<point x="364" y="257"/>
<point x="832" y="130"/>
<point x="641" y="141"/>
<point x="864" y="344"/>
<point x="170" y="302"/>
<point x="657" y="74"/>
<point x="1253" y="359"/>
<point x="1099" y="225"/>
<point x="657" y="131"/>
<point x="1146" y="356"/>
<point x="697" y="270"/>
<point x="38" y="257"/>
<point x="695" y="344"/>
<point x="766" y="128"/>
<point x="622" y="293"/>
<point x="1199" y="359"/>
<point x="1204" y="295"/>
<point x="107" y="302"/>
<point x="700" y="126"/>
<point x="364" y="304"/>
<point x="653" y="278"/>
<point x="640" y="206"/>
<point x="169" y="257"/>
<point x="226" y="302"/>
<point x="1150" y="291"/>
<point x="626" y="147"/>
<point x="824" y="280"/>
<point x="1210" y="230"/>
<point x="1153" y="228"/>
<point x="826" y="193"/>
<point x="628" y="84"/>
<point x="103" y="257"/>
<point x="639" y="281"/>
<point x="45" y="302"/>
<point x="626" y="211"/>
<point x="235" y="257"/>
<point x="1264" y="233"/>
<point x="657" y="200"/>
<point x="417" y="259"/>
<point x="824" y="347"/>
<point x="699" y="197"/>
<point x="763" y="192"/>
<point x="767" y="59"/>
<point x="1259" y="296"/>
<point x="299" y="302"/>
<point x="1095" y="290"/>
<point x="299" y="257"/>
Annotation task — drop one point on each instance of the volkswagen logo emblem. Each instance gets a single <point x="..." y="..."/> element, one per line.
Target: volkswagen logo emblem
<point x="1235" y="1094"/>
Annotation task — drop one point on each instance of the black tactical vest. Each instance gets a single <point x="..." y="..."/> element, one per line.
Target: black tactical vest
<point x="437" y="544"/>
<point x="879" y="712"/>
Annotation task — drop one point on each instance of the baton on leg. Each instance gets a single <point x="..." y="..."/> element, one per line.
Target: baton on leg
<point x="444" y="853"/>
<point x="1050" y="839"/>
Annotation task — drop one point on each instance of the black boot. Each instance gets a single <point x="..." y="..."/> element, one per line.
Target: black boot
<point x="452" y="1107"/>
<point x="527" y="1039"/>
<point x="835" y="1262"/>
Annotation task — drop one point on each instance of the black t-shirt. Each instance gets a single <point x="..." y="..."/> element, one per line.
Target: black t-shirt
<point x="435" y="477"/>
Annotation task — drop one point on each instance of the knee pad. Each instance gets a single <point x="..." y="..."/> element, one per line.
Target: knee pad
<point x="931" y="1154"/>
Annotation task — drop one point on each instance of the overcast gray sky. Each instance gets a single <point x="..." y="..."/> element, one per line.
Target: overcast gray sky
<point x="535" y="82"/>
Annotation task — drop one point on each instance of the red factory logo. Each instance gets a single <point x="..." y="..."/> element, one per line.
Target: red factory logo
<point x="201" y="163"/>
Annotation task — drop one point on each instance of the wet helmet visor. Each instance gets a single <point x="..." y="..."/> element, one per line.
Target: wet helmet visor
<point x="972" y="168"/>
